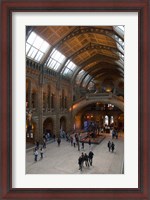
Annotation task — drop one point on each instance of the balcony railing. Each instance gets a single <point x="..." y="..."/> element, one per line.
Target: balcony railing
<point x="99" y="95"/>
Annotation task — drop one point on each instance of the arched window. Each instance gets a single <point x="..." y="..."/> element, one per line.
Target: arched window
<point x="106" y="120"/>
<point x="111" y="120"/>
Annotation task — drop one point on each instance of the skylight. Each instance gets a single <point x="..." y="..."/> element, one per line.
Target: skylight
<point x="69" y="68"/>
<point x="121" y="27"/>
<point x="120" y="42"/>
<point x="78" y="78"/>
<point x="56" y="59"/>
<point x="36" y="47"/>
<point x="85" y="80"/>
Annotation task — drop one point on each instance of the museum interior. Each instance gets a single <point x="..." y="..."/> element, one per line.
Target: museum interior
<point x="74" y="81"/>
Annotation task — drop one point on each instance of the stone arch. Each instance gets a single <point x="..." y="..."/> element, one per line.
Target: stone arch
<point x="84" y="102"/>
<point x="48" y="126"/>
<point x="63" y="123"/>
<point x="84" y="115"/>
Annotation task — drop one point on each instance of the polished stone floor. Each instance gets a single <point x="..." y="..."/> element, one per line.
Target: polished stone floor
<point x="64" y="159"/>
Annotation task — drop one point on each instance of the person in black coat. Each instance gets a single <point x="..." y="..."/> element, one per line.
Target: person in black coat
<point x="112" y="147"/>
<point x="58" y="141"/>
<point x="86" y="160"/>
<point x="91" y="154"/>
<point x="80" y="162"/>
<point x="109" y="145"/>
<point x="89" y="142"/>
<point x="82" y="145"/>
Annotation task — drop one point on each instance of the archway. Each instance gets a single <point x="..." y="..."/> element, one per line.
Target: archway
<point x="105" y="98"/>
<point x="63" y="123"/>
<point x="48" y="126"/>
<point x="100" y="115"/>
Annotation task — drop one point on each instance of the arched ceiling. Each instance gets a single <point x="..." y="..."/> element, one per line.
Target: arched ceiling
<point x="98" y="50"/>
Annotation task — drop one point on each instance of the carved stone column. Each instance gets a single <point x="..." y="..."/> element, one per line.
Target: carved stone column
<point x="39" y="135"/>
<point x="30" y="95"/>
<point x="77" y="122"/>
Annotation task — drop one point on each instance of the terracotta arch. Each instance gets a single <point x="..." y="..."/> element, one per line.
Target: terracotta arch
<point x="48" y="125"/>
<point x="85" y="102"/>
<point x="63" y="124"/>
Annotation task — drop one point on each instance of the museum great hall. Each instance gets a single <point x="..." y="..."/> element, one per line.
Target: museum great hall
<point x="74" y="80"/>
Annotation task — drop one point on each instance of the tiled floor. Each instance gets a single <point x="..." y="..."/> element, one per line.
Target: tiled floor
<point x="64" y="159"/>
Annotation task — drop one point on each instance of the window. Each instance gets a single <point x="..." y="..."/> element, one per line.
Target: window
<point x="69" y="68"/>
<point x="121" y="27"/>
<point x="55" y="60"/>
<point x="106" y="120"/>
<point x="85" y="80"/>
<point x="120" y="42"/>
<point x="111" y="120"/>
<point x="78" y="78"/>
<point x="36" y="47"/>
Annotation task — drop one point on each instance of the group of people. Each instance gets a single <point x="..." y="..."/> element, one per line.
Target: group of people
<point x="88" y="159"/>
<point x="111" y="146"/>
<point x="36" y="153"/>
<point x="74" y="139"/>
<point x="40" y="150"/>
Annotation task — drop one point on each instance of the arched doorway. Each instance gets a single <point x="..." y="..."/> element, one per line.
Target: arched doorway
<point x="102" y="116"/>
<point x="48" y="126"/>
<point x="63" y="123"/>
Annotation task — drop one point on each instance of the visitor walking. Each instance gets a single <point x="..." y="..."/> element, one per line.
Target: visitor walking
<point x="78" y="144"/>
<point x="36" y="155"/>
<point x="44" y="143"/>
<point x="80" y="162"/>
<point x="41" y="152"/>
<point x="74" y="141"/>
<point x="58" y="141"/>
<point x="116" y="134"/>
<point x="91" y="154"/>
<point x="86" y="160"/>
<point x="89" y="144"/>
<point x="82" y="145"/>
<point x="112" y="147"/>
<point x="82" y="156"/>
<point x="71" y="140"/>
<point x="109" y="145"/>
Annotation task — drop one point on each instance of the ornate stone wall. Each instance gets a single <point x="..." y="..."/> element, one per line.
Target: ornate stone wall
<point x="49" y="100"/>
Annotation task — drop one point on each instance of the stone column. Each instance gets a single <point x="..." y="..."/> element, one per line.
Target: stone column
<point x="30" y="95"/>
<point x="36" y="100"/>
<point x="49" y="101"/>
<point x="77" y="121"/>
<point x="39" y="135"/>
